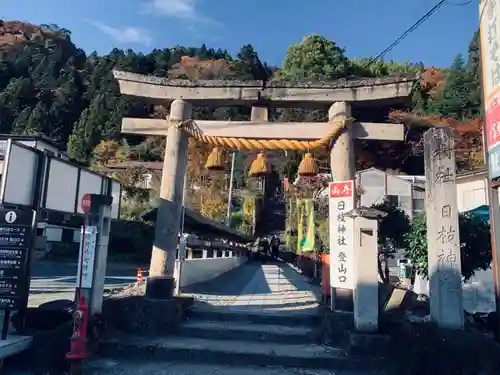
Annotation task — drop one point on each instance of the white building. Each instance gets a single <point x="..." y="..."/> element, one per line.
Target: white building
<point x="49" y="233"/>
<point x="471" y="190"/>
<point x="57" y="225"/>
<point x="406" y="192"/>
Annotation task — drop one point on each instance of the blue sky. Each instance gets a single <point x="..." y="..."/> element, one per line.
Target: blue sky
<point x="363" y="27"/>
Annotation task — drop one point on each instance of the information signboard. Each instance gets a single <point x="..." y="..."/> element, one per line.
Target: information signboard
<point x="15" y="238"/>
<point x="87" y="259"/>
<point x="341" y="234"/>
<point x="490" y="62"/>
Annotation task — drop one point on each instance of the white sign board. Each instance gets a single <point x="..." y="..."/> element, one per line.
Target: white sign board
<point x="88" y="258"/>
<point x="341" y="201"/>
<point x="489" y="12"/>
<point x="18" y="178"/>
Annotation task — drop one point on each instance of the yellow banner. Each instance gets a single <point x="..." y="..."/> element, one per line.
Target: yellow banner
<point x="305" y="226"/>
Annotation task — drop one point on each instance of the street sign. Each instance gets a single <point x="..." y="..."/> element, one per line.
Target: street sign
<point x="341" y="234"/>
<point x="85" y="203"/>
<point x="10" y="217"/>
<point x="15" y="238"/>
<point x="87" y="257"/>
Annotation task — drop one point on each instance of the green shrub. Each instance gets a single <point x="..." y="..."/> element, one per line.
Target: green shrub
<point x="475" y="245"/>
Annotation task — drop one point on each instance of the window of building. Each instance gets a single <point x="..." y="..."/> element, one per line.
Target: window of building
<point x="418" y="205"/>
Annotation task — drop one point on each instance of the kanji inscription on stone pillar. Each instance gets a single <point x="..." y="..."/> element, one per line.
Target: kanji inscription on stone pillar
<point x="443" y="238"/>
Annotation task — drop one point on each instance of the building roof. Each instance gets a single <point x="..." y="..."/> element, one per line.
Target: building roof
<point x="41" y="138"/>
<point x="154" y="166"/>
<point x="198" y="224"/>
<point x="478" y="173"/>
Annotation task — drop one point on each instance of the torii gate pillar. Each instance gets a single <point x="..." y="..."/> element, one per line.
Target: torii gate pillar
<point x="342" y="164"/>
<point x="160" y="283"/>
<point x="342" y="152"/>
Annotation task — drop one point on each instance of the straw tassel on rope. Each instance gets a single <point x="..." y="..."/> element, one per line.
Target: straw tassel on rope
<point x="216" y="160"/>
<point x="259" y="166"/>
<point x="308" y="166"/>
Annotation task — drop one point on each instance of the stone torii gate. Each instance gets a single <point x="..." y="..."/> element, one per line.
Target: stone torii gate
<point x="339" y="96"/>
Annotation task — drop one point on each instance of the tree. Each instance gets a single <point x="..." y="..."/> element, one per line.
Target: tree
<point x="315" y="58"/>
<point x="248" y="65"/>
<point x="392" y="229"/>
<point x="456" y="99"/>
<point x="205" y="190"/>
<point x="109" y="152"/>
<point x="475" y="245"/>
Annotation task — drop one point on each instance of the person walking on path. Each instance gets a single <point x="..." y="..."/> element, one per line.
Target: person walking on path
<point x="275" y="247"/>
<point x="264" y="248"/>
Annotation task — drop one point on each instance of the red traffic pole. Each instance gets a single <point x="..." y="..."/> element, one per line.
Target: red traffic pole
<point x="78" y="349"/>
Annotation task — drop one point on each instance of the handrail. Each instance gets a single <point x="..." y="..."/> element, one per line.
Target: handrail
<point x="196" y="243"/>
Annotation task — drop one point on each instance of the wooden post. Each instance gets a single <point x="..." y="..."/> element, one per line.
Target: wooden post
<point x="443" y="240"/>
<point x="343" y="169"/>
<point x="160" y="283"/>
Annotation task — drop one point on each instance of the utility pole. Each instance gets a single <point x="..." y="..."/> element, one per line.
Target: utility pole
<point x="184" y="203"/>
<point x="230" y="194"/>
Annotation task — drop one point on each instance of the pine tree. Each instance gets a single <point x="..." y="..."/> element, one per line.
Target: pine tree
<point x="456" y="99"/>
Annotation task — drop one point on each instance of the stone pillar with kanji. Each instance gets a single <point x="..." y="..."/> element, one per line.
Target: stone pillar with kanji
<point x="443" y="238"/>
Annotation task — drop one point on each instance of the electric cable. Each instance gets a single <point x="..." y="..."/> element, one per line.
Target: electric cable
<point x="412" y="28"/>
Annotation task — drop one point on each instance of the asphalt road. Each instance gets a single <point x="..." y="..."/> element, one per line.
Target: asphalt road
<point x="53" y="280"/>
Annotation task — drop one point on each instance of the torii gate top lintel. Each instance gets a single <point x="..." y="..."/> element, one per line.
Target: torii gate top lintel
<point x="277" y="93"/>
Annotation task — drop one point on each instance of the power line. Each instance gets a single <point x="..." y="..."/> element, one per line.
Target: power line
<point x="422" y="19"/>
<point x="466" y="2"/>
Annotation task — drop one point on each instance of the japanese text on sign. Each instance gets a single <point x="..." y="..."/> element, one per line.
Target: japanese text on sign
<point x="490" y="57"/>
<point x="341" y="234"/>
<point x="15" y="230"/>
<point x="489" y="22"/>
<point x="341" y="189"/>
<point x="86" y="261"/>
<point x="492" y="113"/>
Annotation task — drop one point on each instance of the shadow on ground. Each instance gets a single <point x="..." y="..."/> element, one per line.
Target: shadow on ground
<point x="272" y="287"/>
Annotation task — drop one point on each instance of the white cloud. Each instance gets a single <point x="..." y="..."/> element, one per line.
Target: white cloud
<point x="125" y="35"/>
<point x="173" y="8"/>
<point x="181" y="9"/>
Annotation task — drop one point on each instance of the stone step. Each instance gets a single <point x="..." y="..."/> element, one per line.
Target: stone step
<point x="231" y="352"/>
<point x="127" y="367"/>
<point x="285" y="318"/>
<point x="222" y="330"/>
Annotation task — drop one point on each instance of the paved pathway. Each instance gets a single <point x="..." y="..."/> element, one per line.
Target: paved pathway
<point x="258" y="288"/>
<point x="57" y="280"/>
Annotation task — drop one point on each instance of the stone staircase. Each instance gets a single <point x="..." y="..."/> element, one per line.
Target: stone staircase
<point x="236" y="342"/>
<point x="272" y="218"/>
